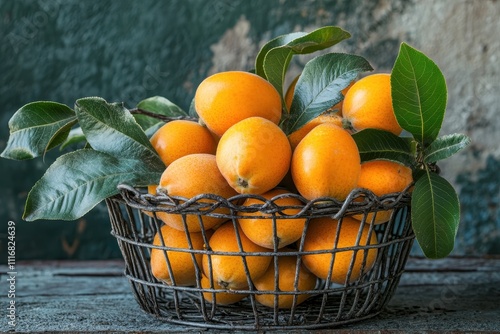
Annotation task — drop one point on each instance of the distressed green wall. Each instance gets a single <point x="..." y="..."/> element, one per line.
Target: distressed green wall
<point x="128" y="50"/>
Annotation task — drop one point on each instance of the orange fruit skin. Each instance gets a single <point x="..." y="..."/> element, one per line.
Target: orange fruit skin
<point x="221" y="298"/>
<point x="368" y="104"/>
<point x="260" y="231"/>
<point x="159" y="214"/>
<point x="228" y="270"/>
<point x="178" y="138"/>
<point x="182" y="263"/>
<point x="152" y="191"/>
<point x="321" y="234"/>
<point x="383" y="177"/>
<point x="296" y="136"/>
<point x="287" y="266"/>
<point x="254" y="155"/>
<point x="326" y="162"/>
<point x="339" y="106"/>
<point x="187" y="177"/>
<point x="226" y="98"/>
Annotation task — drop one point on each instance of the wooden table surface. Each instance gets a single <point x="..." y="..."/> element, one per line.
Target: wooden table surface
<point x="451" y="295"/>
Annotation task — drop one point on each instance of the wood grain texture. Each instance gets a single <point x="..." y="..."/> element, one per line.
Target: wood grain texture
<point x="455" y="295"/>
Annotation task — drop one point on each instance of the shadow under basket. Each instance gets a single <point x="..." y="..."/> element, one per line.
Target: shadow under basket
<point x="133" y="214"/>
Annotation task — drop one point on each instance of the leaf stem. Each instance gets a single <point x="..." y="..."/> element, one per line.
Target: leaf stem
<point x="430" y="167"/>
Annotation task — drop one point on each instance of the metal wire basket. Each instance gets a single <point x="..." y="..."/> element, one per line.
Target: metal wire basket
<point x="329" y="305"/>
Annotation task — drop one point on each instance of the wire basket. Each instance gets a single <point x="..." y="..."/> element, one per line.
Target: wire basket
<point x="329" y="304"/>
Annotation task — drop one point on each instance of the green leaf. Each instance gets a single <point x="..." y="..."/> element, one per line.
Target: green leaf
<point x="110" y="128"/>
<point x="60" y="136"/>
<point x="158" y="105"/>
<point x="192" y="110"/>
<point x="152" y="130"/>
<point x="75" y="136"/>
<point x="417" y="173"/>
<point x="276" y="42"/>
<point x="444" y="147"/>
<point x="77" y="181"/>
<point x="419" y="94"/>
<point x="319" y="86"/>
<point x="435" y="215"/>
<point x="378" y="144"/>
<point x="273" y="60"/>
<point x="36" y="128"/>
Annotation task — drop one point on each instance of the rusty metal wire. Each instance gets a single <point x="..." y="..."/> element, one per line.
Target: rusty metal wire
<point x="329" y="304"/>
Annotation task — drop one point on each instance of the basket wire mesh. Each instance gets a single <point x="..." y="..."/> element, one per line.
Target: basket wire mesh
<point x="329" y="304"/>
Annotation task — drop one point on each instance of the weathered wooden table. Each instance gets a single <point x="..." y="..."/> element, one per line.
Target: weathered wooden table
<point x="450" y="295"/>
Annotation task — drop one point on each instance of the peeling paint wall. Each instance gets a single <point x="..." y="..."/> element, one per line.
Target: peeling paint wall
<point x="126" y="51"/>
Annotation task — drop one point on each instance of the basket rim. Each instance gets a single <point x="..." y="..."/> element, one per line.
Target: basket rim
<point x="359" y="200"/>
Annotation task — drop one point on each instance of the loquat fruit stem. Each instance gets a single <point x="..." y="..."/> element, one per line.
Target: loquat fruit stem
<point x="242" y="183"/>
<point x="346" y="124"/>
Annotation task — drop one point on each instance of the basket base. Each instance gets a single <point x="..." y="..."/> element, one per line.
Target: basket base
<point x="321" y="311"/>
<point x="215" y="325"/>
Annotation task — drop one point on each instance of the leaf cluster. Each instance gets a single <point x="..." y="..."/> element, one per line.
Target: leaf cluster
<point x="419" y="97"/>
<point x="116" y="150"/>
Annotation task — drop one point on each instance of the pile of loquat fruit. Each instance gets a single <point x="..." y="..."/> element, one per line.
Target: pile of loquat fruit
<point x="238" y="147"/>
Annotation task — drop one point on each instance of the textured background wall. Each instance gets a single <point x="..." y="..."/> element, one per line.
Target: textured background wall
<point x="129" y="50"/>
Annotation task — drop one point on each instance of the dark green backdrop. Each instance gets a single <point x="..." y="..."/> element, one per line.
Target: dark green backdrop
<point x="126" y="51"/>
